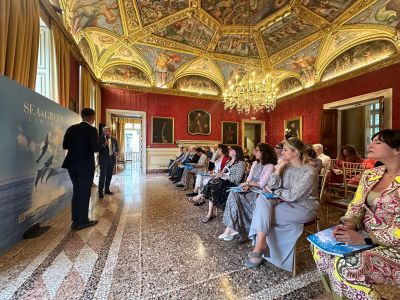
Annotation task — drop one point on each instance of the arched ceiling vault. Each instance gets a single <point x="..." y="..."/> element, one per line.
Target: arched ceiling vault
<point x="298" y="41"/>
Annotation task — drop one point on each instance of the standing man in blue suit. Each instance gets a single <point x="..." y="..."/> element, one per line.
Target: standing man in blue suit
<point x="107" y="158"/>
<point x="81" y="141"/>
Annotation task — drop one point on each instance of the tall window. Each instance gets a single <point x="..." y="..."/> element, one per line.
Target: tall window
<point x="373" y="120"/>
<point x="44" y="78"/>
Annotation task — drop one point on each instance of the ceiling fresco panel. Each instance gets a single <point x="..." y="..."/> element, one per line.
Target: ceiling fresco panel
<point x="285" y="33"/>
<point x="122" y="53"/>
<point x="241" y="12"/>
<point x="303" y="63"/>
<point x="101" y="41"/>
<point x="289" y="86"/>
<point x="86" y="52"/>
<point x="197" y="84"/>
<point x="163" y="62"/>
<point x="154" y="10"/>
<point x="382" y="12"/>
<point x="125" y="74"/>
<point x="189" y="31"/>
<point x="231" y="71"/>
<point x="329" y="10"/>
<point x="237" y="44"/>
<point x="358" y="57"/>
<point x="94" y="13"/>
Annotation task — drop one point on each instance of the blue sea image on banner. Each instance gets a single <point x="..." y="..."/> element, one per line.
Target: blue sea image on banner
<point x="325" y="241"/>
<point x="33" y="186"/>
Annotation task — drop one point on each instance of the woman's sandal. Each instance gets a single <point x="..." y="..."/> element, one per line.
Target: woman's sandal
<point x="201" y="201"/>
<point x="190" y="199"/>
<point x="254" y="260"/>
<point x="207" y="219"/>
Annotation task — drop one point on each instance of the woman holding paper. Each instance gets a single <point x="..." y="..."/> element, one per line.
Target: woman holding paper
<point x="277" y="224"/>
<point x="202" y="180"/>
<point x="216" y="190"/>
<point x="373" y="217"/>
<point x="239" y="206"/>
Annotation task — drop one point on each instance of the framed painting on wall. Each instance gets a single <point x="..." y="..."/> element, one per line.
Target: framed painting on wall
<point x="229" y="134"/>
<point x="199" y="122"/>
<point x="162" y="130"/>
<point x="293" y="128"/>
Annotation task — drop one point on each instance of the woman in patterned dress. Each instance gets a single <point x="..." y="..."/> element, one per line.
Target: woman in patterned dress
<point x="373" y="217"/>
<point x="216" y="190"/>
<point x="239" y="207"/>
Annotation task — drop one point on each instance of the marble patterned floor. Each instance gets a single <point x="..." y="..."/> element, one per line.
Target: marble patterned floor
<point x="149" y="243"/>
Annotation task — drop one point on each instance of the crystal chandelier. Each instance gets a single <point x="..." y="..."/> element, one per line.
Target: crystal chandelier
<point x="253" y="92"/>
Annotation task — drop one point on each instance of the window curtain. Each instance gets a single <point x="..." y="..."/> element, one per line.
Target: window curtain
<point x="85" y="91"/>
<point x="120" y="136"/>
<point x="128" y="120"/>
<point x="19" y="40"/>
<point x="62" y="60"/>
<point x="98" y="105"/>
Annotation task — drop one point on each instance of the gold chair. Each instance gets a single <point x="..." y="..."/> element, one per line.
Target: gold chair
<point x="341" y="199"/>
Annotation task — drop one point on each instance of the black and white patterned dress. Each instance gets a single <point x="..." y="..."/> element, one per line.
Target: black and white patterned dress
<point x="216" y="189"/>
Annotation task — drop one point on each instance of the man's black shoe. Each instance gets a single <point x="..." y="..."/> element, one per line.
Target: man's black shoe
<point x="191" y="194"/>
<point x="82" y="226"/>
<point x="109" y="193"/>
<point x="180" y="185"/>
<point x="101" y="195"/>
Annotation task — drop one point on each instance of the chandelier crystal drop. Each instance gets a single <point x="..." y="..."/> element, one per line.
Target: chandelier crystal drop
<point x="253" y="92"/>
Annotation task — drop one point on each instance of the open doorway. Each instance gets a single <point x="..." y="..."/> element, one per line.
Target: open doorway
<point x="354" y="121"/>
<point x="129" y="127"/>
<point x="133" y="144"/>
<point x="253" y="132"/>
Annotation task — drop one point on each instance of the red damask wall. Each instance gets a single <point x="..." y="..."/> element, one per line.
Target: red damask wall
<point x="74" y="78"/>
<point x="171" y="106"/>
<point x="309" y="105"/>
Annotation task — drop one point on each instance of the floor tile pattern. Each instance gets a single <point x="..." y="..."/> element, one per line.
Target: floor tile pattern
<point x="149" y="243"/>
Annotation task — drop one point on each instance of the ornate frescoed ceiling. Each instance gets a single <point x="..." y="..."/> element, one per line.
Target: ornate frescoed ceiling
<point x="198" y="46"/>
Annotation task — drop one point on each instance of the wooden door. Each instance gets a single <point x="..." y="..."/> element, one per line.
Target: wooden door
<point x="329" y="123"/>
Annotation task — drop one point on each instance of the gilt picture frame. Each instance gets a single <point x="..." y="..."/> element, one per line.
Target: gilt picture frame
<point x="162" y="130"/>
<point x="199" y="122"/>
<point x="293" y="128"/>
<point x="229" y="133"/>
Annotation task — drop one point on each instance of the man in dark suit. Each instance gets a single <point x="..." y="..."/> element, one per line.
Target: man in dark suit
<point x="107" y="159"/>
<point x="81" y="141"/>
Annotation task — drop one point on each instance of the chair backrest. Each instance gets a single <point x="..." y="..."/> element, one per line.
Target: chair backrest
<point x="352" y="172"/>
<point x="334" y="163"/>
<point x="323" y="178"/>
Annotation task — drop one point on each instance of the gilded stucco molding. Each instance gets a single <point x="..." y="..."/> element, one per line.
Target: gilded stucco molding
<point x="141" y="33"/>
<point x="162" y="91"/>
<point x="370" y="68"/>
<point x="353" y="10"/>
<point x="214" y="40"/>
<point x="133" y="20"/>
<point x="186" y="70"/>
<point x="163" y="43"/>
<point x="320" y="69"/>
<point x="288" y="52"/>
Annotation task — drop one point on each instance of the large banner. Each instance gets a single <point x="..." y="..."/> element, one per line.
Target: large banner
<point x="33" y="186"/>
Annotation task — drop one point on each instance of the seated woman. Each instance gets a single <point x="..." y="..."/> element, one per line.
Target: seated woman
<point x="278" y="223"/>
<point x="216" y="190"/>
<point x="373" y="217"/>
<point x="239" y="206"/>
<point x="202" y="180"/>
<point x="347" y="153"/>
<point x="195" y="168"/>
<point x="313" y="159"/>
